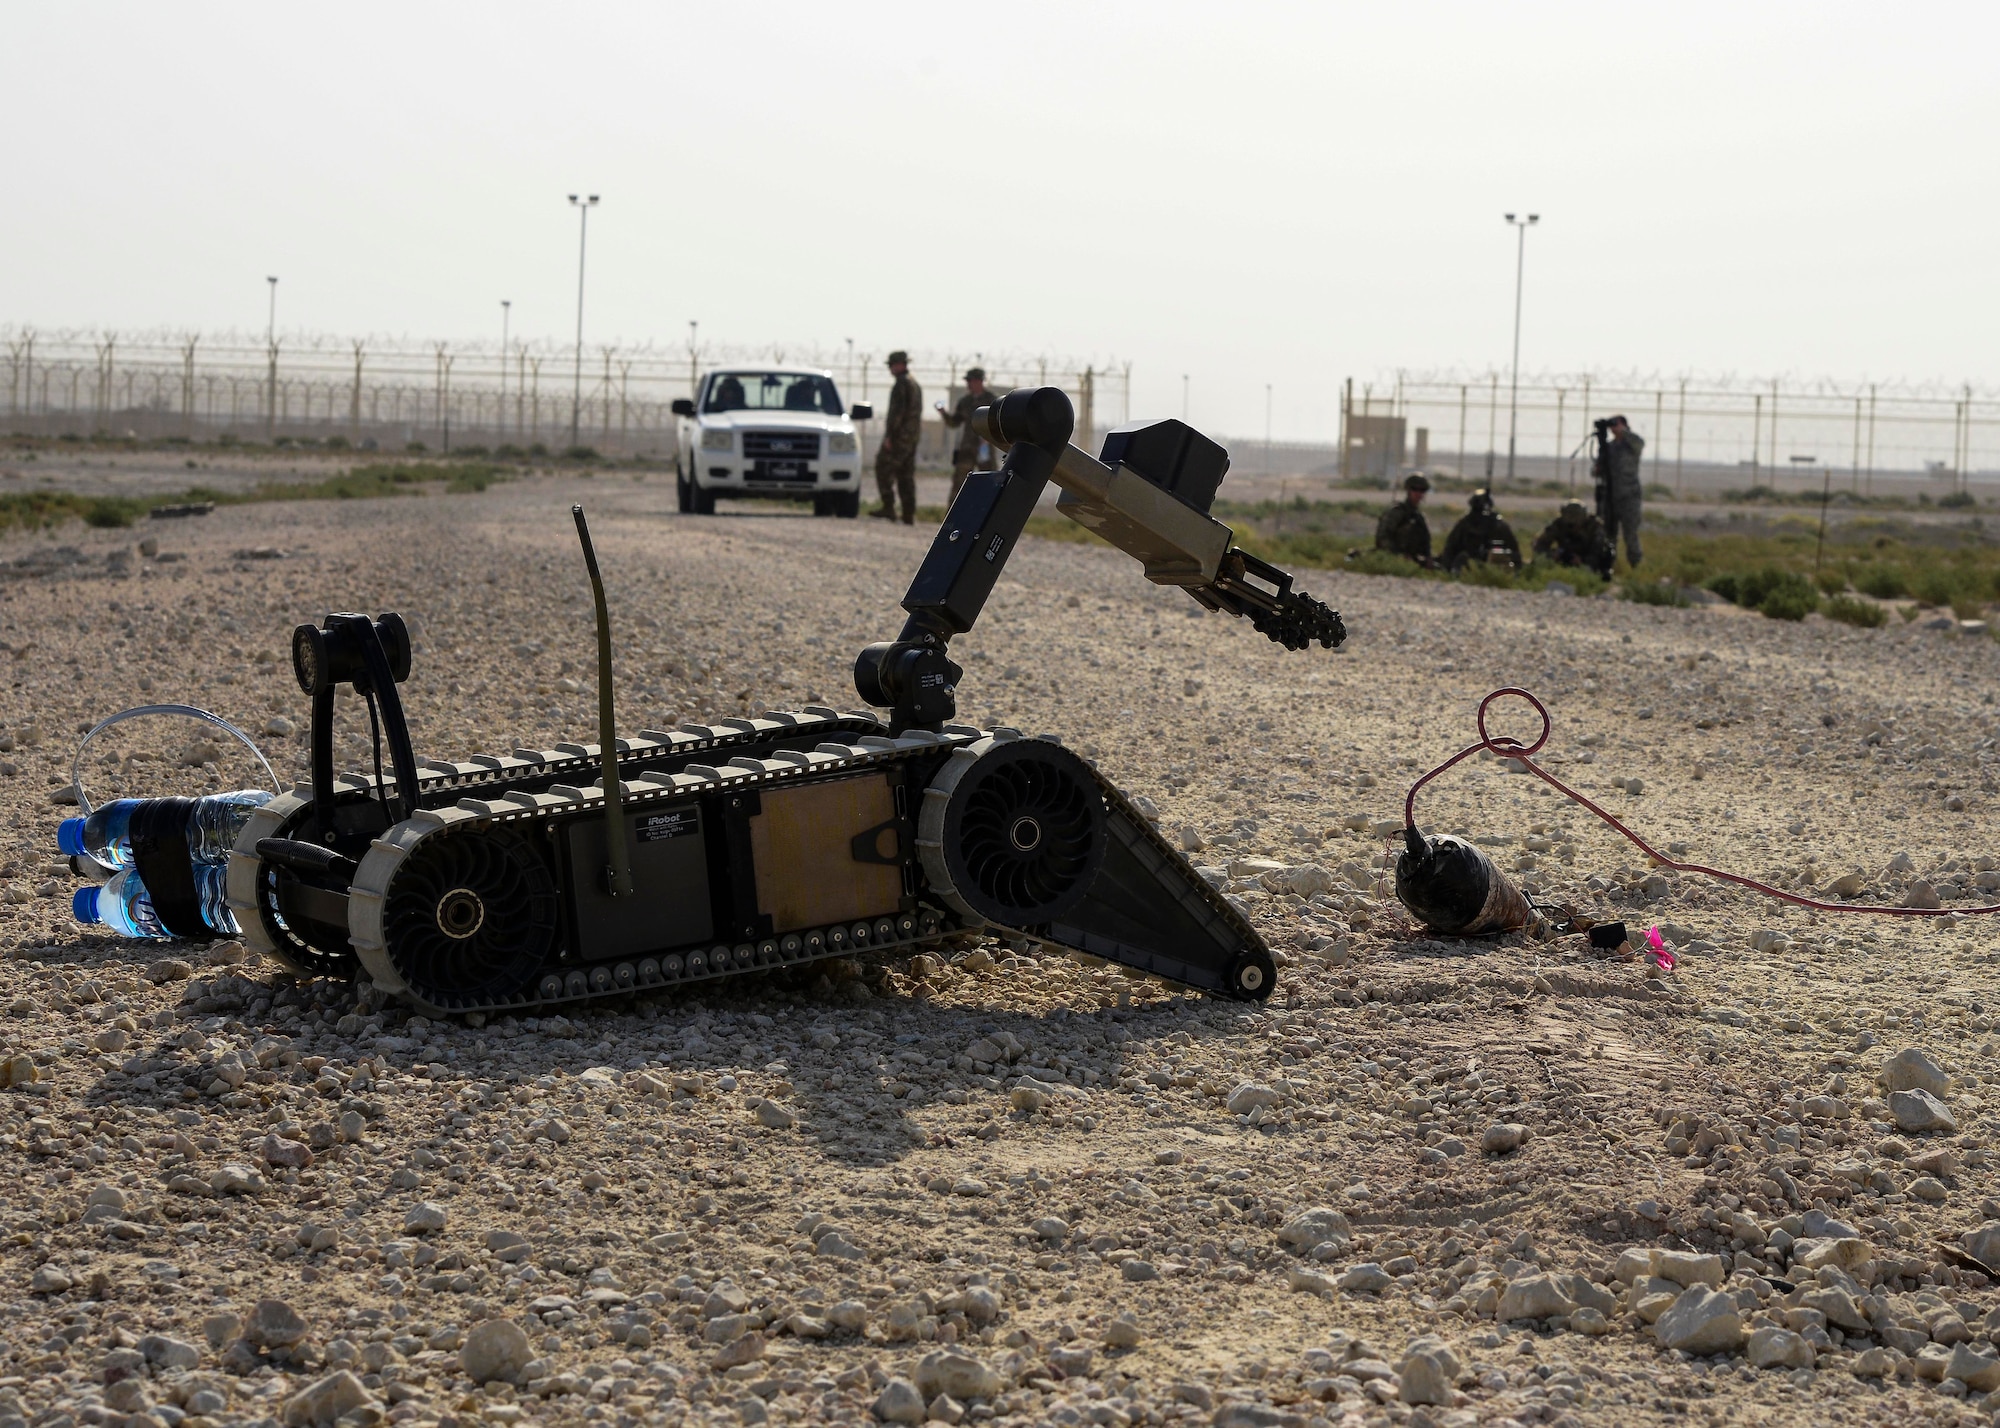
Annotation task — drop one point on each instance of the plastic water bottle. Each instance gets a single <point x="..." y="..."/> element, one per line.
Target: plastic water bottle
<point x="218" y="819"/>
<point x="211" y="884"/>
<point x="212" y="828"/>
<point x="123" y="905"/>
<point x="106" y="835"/>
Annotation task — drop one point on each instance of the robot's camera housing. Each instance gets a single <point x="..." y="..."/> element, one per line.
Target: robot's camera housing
<point x="1171" y="455"/>
<point x="332" y="654"/>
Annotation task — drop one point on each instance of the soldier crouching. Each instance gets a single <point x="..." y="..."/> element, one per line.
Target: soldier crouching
<point x="1576" y="538"/>
<point x="1402" y="530"/>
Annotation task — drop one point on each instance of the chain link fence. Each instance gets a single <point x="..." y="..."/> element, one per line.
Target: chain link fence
<point x="395" y="394"/>
<point x="1702" y="434"/>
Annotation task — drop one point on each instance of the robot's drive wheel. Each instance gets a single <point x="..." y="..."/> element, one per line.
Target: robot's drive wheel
<point x="1012" y="832"/>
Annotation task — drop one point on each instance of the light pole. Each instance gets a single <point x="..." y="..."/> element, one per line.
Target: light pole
<point x="271" y="350"/>
<point x="506" y="311"/>
<point x="583" y="207"/>
<point x="1521" y="227"/>
<point x="1267" y="428"/>
<point x="1184" y="396"/>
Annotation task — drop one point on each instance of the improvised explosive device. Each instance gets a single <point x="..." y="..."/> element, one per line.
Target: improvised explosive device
<point x="544" y="876"/>
<point x="1452" y="887"/>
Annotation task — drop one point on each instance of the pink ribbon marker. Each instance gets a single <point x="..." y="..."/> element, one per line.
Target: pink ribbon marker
<point x="1656" y="948"/>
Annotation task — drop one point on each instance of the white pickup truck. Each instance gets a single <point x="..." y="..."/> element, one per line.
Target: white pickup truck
<point x="771" y="433"/>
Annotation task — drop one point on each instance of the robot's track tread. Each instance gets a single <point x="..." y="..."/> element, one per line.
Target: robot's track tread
<point x="492" y="797"/>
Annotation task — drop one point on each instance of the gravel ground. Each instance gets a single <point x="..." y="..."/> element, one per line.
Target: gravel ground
<point x="1429" y="1182"/>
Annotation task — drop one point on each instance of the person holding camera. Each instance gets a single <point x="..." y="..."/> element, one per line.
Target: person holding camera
<point x="1616" y="473"/>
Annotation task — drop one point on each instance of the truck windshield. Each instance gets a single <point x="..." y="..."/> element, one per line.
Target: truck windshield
<point x="772" y="392"/>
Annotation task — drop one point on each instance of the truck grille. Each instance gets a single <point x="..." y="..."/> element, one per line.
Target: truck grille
<point x="785" y="445"/>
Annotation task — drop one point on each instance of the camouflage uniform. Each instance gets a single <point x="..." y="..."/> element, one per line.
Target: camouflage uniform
<point x="1475" y="535"/>
<point x="1623" y="496"/>
<point x="966" y="455"/>
<point x="1576" y="537"/>
<point x="896" y="457"/>
<point x="1404" y="531"/>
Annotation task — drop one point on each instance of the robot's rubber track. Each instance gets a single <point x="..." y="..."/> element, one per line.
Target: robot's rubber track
<point x="472" y="813"/>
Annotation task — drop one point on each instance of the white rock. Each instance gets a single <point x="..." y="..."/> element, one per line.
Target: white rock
<point x="1913" y="1070"/>
<point x="1977" y="1371"/>
<point x="496" y="1349"/>
<point x="1920" y="1111"/>
<point x="899" y="1402"/>
<point x="1505" y="1136"/>
<point x="1428" y="1372"/>
<point x="1249" y="1096"/>
<point x="425" y="1217"/>
<point x="274" y="1324"/>
<point x="958" y="1374"/>
<point x="1533" y="1296"/>
<point x="1312" y="1228"/>
<point x="1771" y="1347"/>
<point x="1687" y="1269"/>
<point x="1051" y="1228"/>
<point x="1983" y="1244"/>
<point x="1701" y="1321"/>
<point x="1123" y="1332"/>
<point x="321" y="1403"/>
<point x="1368" y="1278"/>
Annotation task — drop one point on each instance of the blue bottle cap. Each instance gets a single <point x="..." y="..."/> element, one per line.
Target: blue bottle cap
<point x="69" y="837"/>
<point x="84" y="905"/>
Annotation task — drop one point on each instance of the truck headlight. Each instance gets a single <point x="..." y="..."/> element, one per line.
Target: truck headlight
<point x="718" y="439"/>
<point x="841" y="443"/>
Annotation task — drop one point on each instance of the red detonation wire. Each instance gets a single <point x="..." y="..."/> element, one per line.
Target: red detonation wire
<point x="1507" y="747"/>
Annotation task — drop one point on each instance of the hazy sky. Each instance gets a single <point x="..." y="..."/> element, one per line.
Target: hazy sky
<point x="1247" y="193"/>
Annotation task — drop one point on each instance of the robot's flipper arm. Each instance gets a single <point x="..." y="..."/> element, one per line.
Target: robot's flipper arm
<point x="1263" y="594"/>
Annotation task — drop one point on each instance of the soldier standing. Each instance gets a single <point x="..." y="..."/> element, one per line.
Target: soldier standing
<point x="973" y="452"/>
<point x="896" y="458"/>
<point x="1403" y="530"/>
<point x="1620" y="495"/>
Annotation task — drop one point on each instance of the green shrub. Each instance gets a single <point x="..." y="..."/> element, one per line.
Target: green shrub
<point x="1584" y="583"/>
<point x="1754" y="585"/>
<point x="1831" y="581"/>
<point x="107" y="512"/>
<point x="1727" y="586"/>
<point x="1957" y="501"/>
<point x="1939" y="584"/>
<point x="579" y="453"/>
<point x="1652" y="592"/>
<point x="1850" y="611"/>
<point x="1380" y="562"/>
<point x="1480" y="572"/>
<point x="1790" y="597"/>
<point x="1884" y="582"/>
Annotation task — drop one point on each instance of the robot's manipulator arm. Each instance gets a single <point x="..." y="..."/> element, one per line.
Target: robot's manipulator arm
<point x="1151" y="501"/>
<point x="1149" y="497"/>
